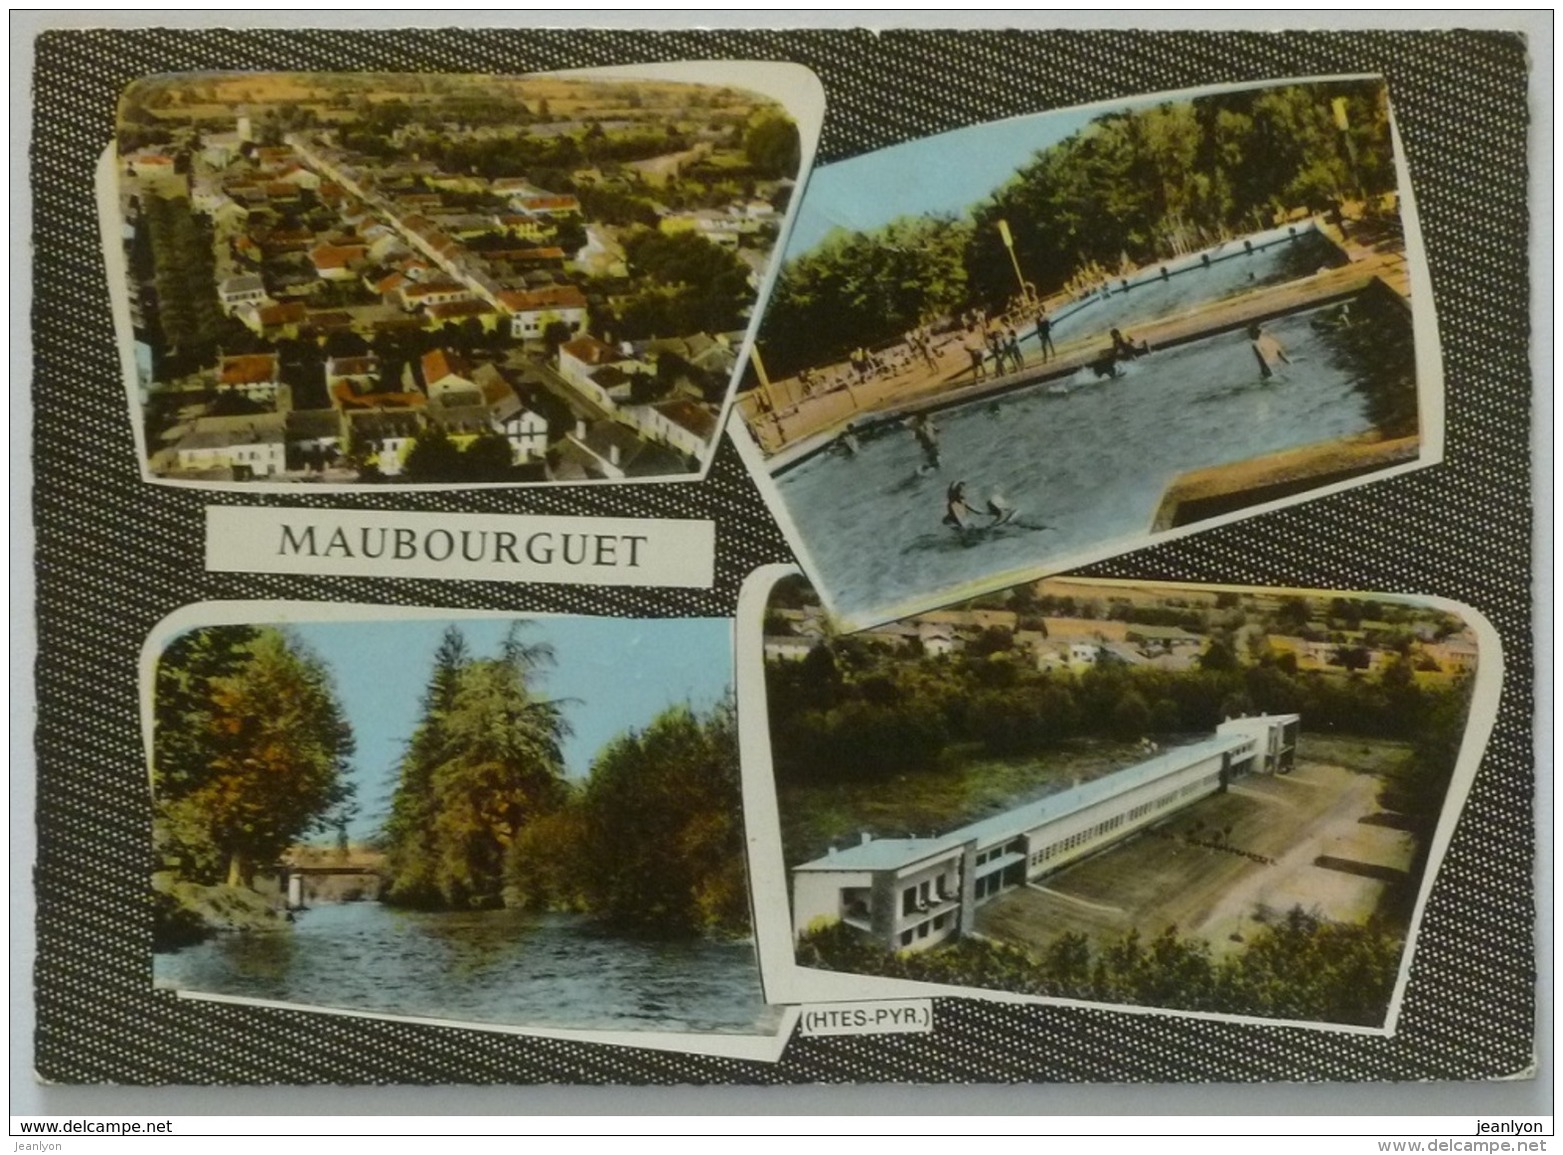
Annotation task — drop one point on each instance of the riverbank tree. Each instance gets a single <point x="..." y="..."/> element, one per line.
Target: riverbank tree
<point x="250" y="752"/>
<point x="652" y="841"/>
<point x="483" y="764"/>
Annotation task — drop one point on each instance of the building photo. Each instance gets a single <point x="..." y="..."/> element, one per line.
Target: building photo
<point x="360" y="279"/>
<point x="1218" y="800"/>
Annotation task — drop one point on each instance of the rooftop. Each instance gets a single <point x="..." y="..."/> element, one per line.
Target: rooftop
<point x="591" y="351"/>
<point x="890" y="853"/>
<point x="248" y="369"/>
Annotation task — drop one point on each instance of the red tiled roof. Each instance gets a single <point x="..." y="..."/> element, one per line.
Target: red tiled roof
<point x="440" y="363"/>
<point x="553" y="297"/>
<point x="416" y="289"/>
<point x="336" y="256"/>
<point x="248" y="369"/>
<point x="590" y="351"/>
<point x="449" y="309"/>
<point x="286" y="314"/>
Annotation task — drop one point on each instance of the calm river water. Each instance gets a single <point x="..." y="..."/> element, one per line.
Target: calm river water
<point x="503" y="967"/>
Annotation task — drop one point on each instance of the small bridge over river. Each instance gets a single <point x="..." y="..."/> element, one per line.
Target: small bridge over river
<point x="311" y="875"/>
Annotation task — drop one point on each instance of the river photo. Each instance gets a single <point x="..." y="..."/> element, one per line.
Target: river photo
<point x="516" y="823"/>
<point x="503" y="967"/>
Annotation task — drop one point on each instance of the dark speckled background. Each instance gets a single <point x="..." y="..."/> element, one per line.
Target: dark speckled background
<point x="115" y="555"/>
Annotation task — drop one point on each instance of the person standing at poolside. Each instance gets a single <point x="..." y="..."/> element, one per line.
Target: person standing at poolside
<point x="975" y="349"/>
<point x="1045" y="335"/>
<point x="996" y="346"/>
<point x="1012" y="347"/>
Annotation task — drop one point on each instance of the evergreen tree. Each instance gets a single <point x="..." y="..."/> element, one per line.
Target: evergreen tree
<point x="408" y="830"/>
<point x="484" y="763"/>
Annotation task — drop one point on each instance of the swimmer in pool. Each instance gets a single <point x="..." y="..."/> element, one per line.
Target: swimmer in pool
<point x="927" y="434"/>
<point x="956" y="507"/>
<point x="1267" y="351"/>
<point x="999" y="509"/>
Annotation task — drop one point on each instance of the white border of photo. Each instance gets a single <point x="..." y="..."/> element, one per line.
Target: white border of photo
<point x="793" y="86"/>
<point x="787" y="982"/>
<point x="1429" y="386"/>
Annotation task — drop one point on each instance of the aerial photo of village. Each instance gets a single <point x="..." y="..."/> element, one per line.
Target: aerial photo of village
<point x="442" y="279"/>
<point x="1192" y="798"/>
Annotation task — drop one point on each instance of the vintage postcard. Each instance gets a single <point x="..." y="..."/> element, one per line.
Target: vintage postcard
<point x="514" y="823"/>
<point x="388" y="733"/>
<point x="1024" y="345"/>
<point x="347" y="279"/>
<point x="1223" y="801"/>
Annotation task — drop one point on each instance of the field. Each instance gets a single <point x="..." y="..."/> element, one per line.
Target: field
<point x="1317" y="839"/>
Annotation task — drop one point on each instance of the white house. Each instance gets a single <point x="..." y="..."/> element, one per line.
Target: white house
<point x="249" y="446"/>
<point x="445" y="374"/>
<point x="686" y="426"/>
<point x="243" y="289"/>
<point x="532" y="311"/>
<point x="384" y="437"/>
<point x="527" y="433"/>
<point x="580" y="359"/>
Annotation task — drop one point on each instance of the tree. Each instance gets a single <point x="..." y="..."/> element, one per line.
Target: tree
<point x="409" y="828"/>
<point x="484" y="763"/>
<point x="772" y="147"/>
<point x="257" y="752"/>
<point x="1218" y="656"/>
<point x="488" y="458"/>
<point x="1131" y="716"/>
<point x="662" y="810"/>
<point x="433" y="456"/>
<point x="864" y="288"/>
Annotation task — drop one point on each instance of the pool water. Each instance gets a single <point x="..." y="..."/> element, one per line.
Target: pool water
<point x="1085" y="461"/>
<point x="1277" y="256"/>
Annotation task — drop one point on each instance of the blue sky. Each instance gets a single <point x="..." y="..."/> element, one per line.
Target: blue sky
<point x="937" y="174"/>
<point x="622" y="672"/>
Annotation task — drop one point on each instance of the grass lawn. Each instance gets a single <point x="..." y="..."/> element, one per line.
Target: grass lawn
<point x="1378" y="756"/>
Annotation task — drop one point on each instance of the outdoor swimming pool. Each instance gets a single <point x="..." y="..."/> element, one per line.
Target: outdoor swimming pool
<point x="1277" y="256"/>
<point x="1085" y="461"/>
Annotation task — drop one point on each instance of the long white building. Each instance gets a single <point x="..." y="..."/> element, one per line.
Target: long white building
<point x="914" y="893"/>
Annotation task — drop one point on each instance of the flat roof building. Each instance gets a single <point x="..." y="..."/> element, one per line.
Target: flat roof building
<point x="914" y="893"/>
